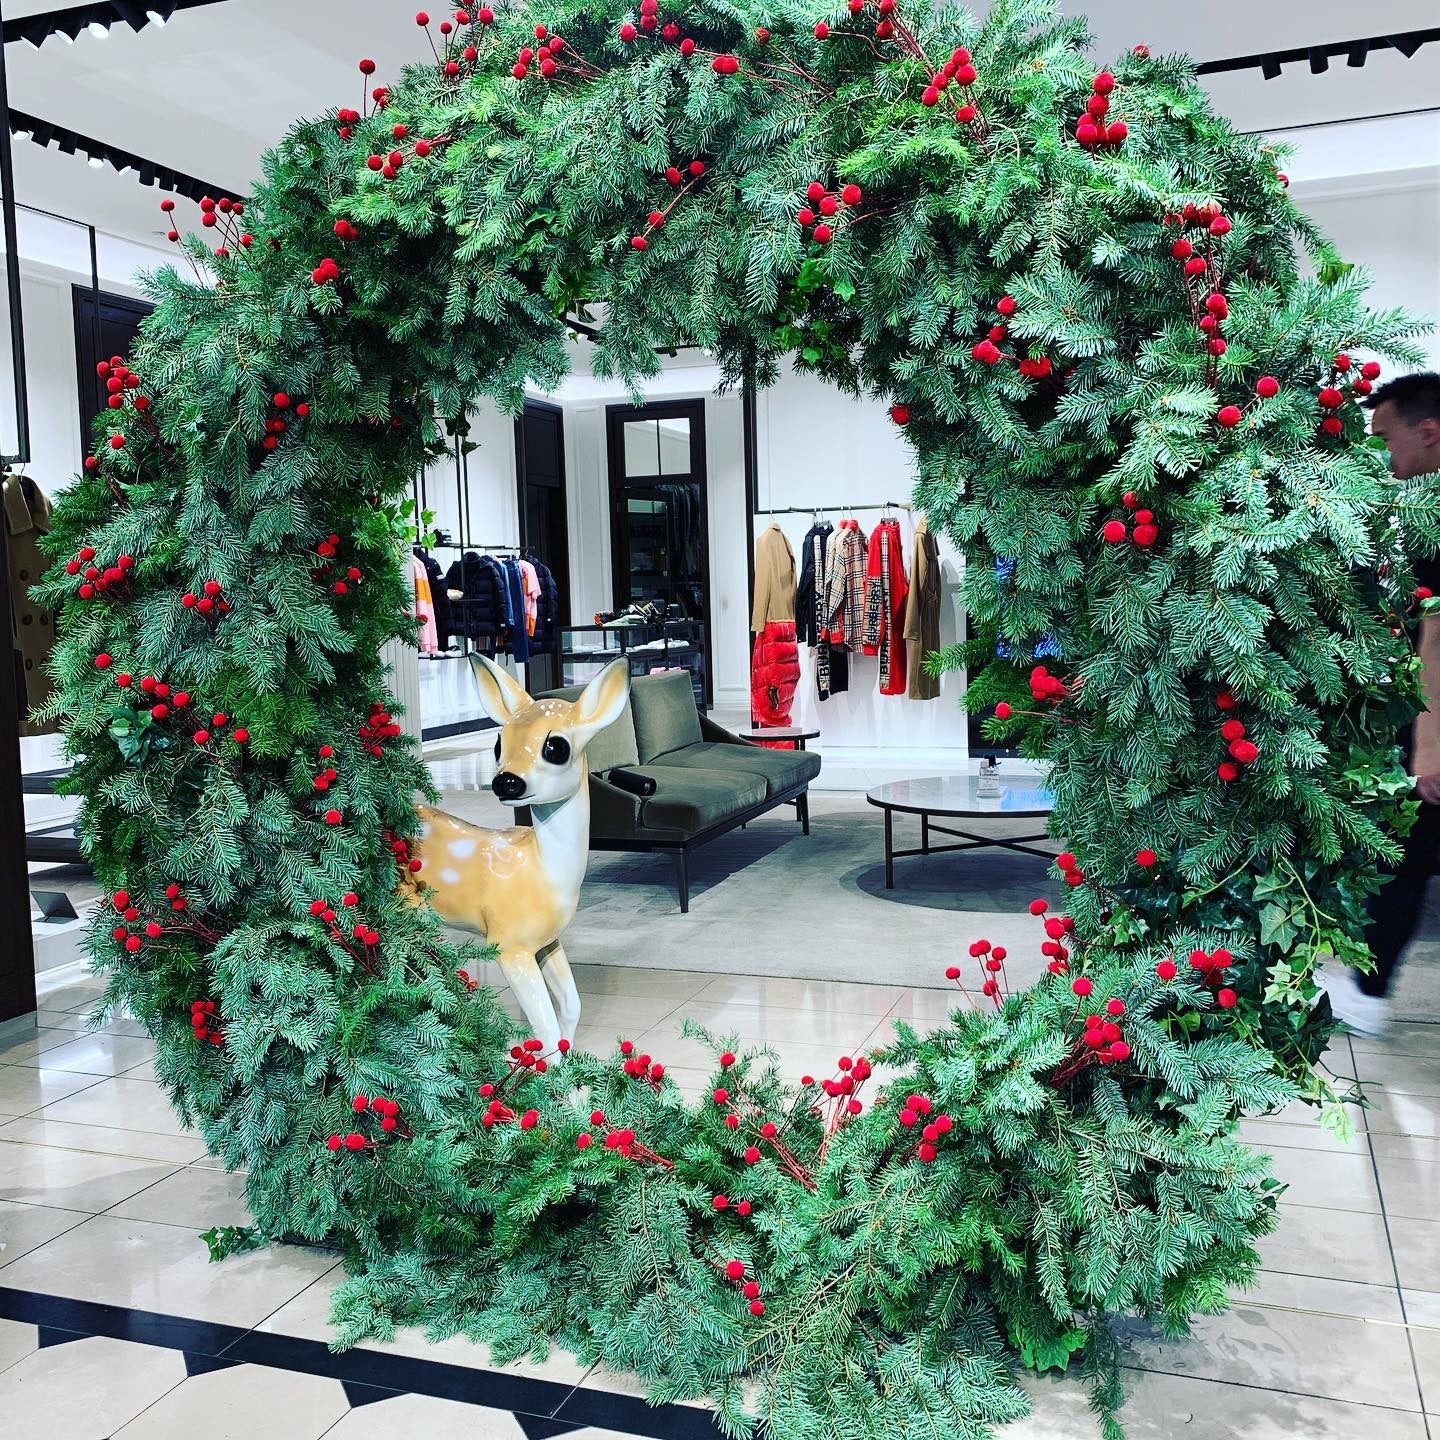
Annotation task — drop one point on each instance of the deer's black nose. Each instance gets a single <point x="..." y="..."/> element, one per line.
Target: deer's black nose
<point x="507" y="786"/>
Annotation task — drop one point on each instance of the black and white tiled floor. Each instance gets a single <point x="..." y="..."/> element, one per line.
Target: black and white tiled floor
<point x="113" y="1323"/>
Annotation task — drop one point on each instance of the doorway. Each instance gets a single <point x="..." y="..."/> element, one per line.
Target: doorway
<point x="99" y="334"/>
<point x="544" y="529"/>
<point x="659" y="517"/>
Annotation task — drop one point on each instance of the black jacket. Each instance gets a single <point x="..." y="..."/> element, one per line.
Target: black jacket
<point x="807" y="621"/>
<point x="547" y="614"/>
<point x="484" y="613"/>
<point x="439" y="598"/>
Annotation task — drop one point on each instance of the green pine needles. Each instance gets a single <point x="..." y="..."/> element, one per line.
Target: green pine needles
<point x="1189" y="591"/>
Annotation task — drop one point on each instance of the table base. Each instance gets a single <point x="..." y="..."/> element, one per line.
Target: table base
<point x="1021" y="844"/>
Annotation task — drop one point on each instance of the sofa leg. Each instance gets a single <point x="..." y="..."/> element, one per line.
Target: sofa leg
<point x="682" y="864"/>
<point x="802" y="804"/>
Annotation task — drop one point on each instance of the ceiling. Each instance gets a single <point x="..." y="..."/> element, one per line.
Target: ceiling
<point x="218" y="84"/>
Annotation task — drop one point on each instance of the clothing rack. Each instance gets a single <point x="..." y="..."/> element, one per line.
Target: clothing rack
<point x="478" y="546"/>
<point x="834" y="509"/>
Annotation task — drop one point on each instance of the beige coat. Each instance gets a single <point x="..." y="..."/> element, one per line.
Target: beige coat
<point x="1425" y="756"/>
<point x="27" y="518"/>
<point x="922" y="614"/>
<point x="774" y="579"/>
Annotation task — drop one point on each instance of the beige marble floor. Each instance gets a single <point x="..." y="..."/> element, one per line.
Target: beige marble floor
<point x="102" y="1191"/>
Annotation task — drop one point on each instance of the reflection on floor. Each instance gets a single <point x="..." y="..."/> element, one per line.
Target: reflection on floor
<point x="115" y="1324"/>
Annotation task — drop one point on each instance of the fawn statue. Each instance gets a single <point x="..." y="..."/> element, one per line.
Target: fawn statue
<point x="518" y="888"/>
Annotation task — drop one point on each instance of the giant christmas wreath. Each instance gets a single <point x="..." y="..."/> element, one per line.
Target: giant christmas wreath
<point x="1083" y="296"/>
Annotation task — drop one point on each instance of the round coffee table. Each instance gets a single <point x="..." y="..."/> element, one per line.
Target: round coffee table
<point x="795" y="734"/>
<point x="951" y="797"/>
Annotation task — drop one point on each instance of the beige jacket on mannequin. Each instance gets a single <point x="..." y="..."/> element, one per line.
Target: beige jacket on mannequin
<point x="774" y="579"/>
<point x="27" y="518"/>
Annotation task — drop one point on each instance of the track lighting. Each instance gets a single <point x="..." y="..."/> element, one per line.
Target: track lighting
<point x="156" y="19"/>
<point x="1407" y="45"/>
<point x="99" y="31"/>
<point x="96" y="162"/>
<point x="1359" y="49"/>
<point x="1270" y="67"/>
<point x="1319" y="61"/>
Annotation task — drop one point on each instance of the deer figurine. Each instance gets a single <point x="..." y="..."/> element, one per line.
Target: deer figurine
<point x="518" y="888"/>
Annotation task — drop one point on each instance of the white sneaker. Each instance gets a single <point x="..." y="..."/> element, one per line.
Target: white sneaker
<point x="1352" y="1007"/>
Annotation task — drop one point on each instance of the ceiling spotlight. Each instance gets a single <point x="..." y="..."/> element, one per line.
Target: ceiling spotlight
<point x="1319" y="61"/>
<point x="1270" y="67"/>
<point x="156" y="19"/>
<point x="1359" y="50"/>
<point x="99" y="31"/>
<point x="1407" y="45"/>
<point x="24" y="134"/>
<point x="96" y="162"/>
<point x="68" y="39"/>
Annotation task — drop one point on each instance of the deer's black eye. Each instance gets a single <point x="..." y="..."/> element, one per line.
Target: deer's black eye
<point x="556" y="750"/>
<point x="497" y="749"/>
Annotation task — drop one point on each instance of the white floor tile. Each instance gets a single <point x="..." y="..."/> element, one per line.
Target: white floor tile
<point x="424" y="1415"/>
<point x="103" y="1140"/>
<point x="23" y="1227"/>
<point x="72" y="1179"/>
<point x="23" y="1089"/>
<point x="193" y="1198"/>
<point x="147" y="1266"/>
<point x="17" y="1340"/>
<point x="827" y="997"/>
<point x="123" y="1104"/>
<point x="24" y="1047"/>
<point x="99" y="1054"/>
<point x="243" y="1402"/>
<point x="85" y="1389"/>
<point x="773" y="1024"/>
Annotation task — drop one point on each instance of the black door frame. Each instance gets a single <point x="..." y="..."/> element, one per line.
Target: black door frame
<point x="521" y="470"/>
<point x="615" y="418"/>
<point x="87" y="342"/>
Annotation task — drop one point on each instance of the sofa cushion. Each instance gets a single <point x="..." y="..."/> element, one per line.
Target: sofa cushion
<point x="688" y="799"/>
<point x="665" y="715"/>
<point x="614" y="745"/>
<point x="780" y="769"/>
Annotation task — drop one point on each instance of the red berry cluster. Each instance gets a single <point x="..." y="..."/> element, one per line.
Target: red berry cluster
<point x="1091" y="129"/>
<point x="734" y="1271"/>
<point x="959" y="69"/>
<point x="995" y="984"/>
<point x="1242" y="751"/>
<point x="1045" y="686"/>
<point x="650" y="21"/>
<point x="323" y="572"/>
<point x="1100" y="1040"/>
<point x="1210" y="966"/>
<point x="210" y="602"/>
<point x="153" y="929"/>
<point x="279" y="421"/>
<point x="721" y="64"/>
<point x="204" y="734"/>
<point x="914" y="1110"/>
<point x="326" y="271"/>
<point x="204" y="1023"/>
<point x="327" y="774"/>
<point x="120" y="380"/>
<point x="111" y="582"/>
<point x="1345" y="383"/>
<point x="622" y="1140"/>
<point x="656" y="218"/>
<point x="640" y="1067"/>
<point x="547" y="50"/>
<point x="828" y="205"/>
<point x="224" y="213"/>
<point x="724" y="1202"/>
<point x="1069" y="867"/>
<point x="161" y="701"/>
<point x="1145" y="533"/>
<point x="381" y="726"/>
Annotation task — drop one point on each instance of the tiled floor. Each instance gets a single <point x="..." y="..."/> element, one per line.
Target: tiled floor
<point x="118" y="1327"/>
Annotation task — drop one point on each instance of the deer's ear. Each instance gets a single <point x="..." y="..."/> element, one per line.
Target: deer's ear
<point x="599" y="704"/>
<point x="500" y="696"/>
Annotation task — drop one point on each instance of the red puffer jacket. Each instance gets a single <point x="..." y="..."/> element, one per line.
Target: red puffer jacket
<point x="774" y="673"/>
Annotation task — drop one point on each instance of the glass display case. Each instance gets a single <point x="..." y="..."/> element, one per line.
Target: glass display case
<point x="657" y="645"/>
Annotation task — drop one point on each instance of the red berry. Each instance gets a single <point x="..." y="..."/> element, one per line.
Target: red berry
<point x="757" y="1307"/>
<point x="1182" y="250"/>
<point x="1002" y="711"/>
<point x="1103" y="83"/>
<point x="1145" y="858"/>
<point x="1267" y="386"/>
<point x="1006" y="305"/>
<point x="1333" y="425"/>
<point x="1228" y="416"/>
<point x="1370" y="370"/>
<point x="821" y="30"/>
<point x="628" y="33"/>
<point x="1166" y="970"/>
<point x="1114" y="532"/>
<point x="1220" y="226"/>
<point x="822" y="234"/>
<point x="926" y="1153"/>
<point x="965" y="75"/>
<point x="1226" y="999"/>
<point x="333" y="817"/>
<point x="952" y="972"/>
<point x="1226" y="770"/>
<point x="735" y="1269"/>
<point x="1117" y="133"/>
<point x="1082" y="985"/>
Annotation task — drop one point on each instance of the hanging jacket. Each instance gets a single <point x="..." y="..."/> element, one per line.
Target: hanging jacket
<point x="845" y="585"/>
<point x="547" y="609"/>
<point x="426" y="636"/>
<point x="810" y="627"/>
<point x="515" y="597"/>
<point x="922" y="614"/>
<point x="885" y="594"/>
<point x="32" y="629"/>
<point x="439" y="597"/>
<point x="484" y="614"/>
<point x="774" y="673"/>
<point x="774" y="579"/>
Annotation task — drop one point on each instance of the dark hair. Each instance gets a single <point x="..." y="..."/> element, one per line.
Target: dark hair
<point x="1415" y="397"/>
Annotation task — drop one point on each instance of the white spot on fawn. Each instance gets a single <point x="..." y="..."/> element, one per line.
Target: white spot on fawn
<point x="461" y="849"/>
<point x="450" y="876"/>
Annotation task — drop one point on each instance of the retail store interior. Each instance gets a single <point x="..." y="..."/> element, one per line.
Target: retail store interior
<point x="719" y="545"/>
